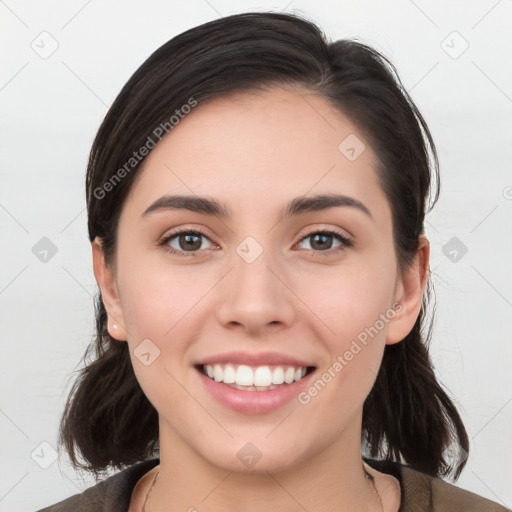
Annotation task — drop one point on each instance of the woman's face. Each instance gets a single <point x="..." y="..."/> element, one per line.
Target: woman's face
<point x="258" y="282"/>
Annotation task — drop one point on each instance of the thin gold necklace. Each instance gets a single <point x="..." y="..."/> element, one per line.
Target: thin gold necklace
<point x="368" y="476"/>
<point x="149" y="492"/>
<point x="372" y="480"/>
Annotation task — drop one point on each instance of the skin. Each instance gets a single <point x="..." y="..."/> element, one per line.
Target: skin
<point x="256" y="152"/>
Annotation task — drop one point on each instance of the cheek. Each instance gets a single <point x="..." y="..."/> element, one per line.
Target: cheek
<point x="354" y="341"/>
<point x="353" y="306"/>
<point x="155" y="298"/>
<point x="158" y="306"/>
<point x="349" y="301"/>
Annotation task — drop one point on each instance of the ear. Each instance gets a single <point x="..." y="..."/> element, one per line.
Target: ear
<point x="409" y="294"/>
<point x="106" y="281"/>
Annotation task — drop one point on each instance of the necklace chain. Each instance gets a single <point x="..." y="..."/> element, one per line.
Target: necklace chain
<point x="372" y="480"/>
<point x="368" y="476"/>
<point x="149" y="492"/>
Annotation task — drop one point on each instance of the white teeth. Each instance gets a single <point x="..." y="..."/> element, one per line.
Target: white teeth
<point x="229" y="375"/>
<point x="244" y="376"/>
<point x="278" y="375"/>
<point x="218" y="374"/>
<point x="289" y="375"/>
<point x="261" y="378"/>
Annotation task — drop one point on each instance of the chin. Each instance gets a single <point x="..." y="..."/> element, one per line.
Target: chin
<point x="255" y="458"/>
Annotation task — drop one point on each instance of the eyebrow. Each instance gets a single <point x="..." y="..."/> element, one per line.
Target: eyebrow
<point x="209" y="206"/>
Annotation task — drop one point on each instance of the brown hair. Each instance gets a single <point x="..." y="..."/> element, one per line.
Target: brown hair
<point x="407" y="417"/>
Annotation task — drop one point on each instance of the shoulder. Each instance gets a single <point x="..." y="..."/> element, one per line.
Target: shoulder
<point x="444" y="496"/>
<point x="109" y="495"/>
<point x="423" y="493"/>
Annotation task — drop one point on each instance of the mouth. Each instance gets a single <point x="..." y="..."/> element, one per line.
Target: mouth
<point x="254" y="378"/>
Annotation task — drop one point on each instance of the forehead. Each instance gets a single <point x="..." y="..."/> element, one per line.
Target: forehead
<point x="259" y="146"/>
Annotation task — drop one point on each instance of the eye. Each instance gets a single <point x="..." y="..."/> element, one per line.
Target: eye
<point x="184" y="241"/>
<point x="187" y="242"/>
<point x="322" y="242"/>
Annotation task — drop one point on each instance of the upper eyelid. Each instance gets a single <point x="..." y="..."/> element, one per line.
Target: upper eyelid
<point x="303" y="232"/>
<point x="335" y="231"/>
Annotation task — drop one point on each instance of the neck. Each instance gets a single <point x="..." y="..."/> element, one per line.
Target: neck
<point x="332" y="479"/>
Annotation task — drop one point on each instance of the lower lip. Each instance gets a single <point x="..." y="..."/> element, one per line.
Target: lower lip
<point x="254" y="402"/>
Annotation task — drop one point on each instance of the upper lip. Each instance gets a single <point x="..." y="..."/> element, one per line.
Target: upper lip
<point x="254" y="359"/>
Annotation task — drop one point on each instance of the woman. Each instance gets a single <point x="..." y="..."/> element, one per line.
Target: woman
<point x="256" y="199"/>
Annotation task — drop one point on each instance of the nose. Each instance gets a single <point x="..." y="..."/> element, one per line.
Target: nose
<point x="255" y="294"/>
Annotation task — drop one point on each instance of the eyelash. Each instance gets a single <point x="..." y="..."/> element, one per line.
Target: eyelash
<point x="345" y="242"/>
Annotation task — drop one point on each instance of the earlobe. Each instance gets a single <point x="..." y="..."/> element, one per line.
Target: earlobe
<point x="106" y="281"/>
<point x="410" y="291"/>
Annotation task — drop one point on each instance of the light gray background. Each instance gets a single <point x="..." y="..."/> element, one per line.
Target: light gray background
<point x="52" y="107"/>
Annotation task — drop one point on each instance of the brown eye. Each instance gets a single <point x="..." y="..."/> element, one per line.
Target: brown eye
<point x="323" y="241"/>
<point x="185" y="241"/>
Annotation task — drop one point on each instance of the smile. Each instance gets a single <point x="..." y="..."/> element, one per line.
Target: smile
<point x="262" y="389"/>
<point x="259" y="378"/>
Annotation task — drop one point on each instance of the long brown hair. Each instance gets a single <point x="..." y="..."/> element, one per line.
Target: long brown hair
<point x="408" y="417"/>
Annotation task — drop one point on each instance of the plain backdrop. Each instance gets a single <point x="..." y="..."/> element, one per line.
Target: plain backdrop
<point x="63" y="63"/>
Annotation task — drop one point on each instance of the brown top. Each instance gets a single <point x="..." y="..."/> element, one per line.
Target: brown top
<point x="419" y="492"/>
